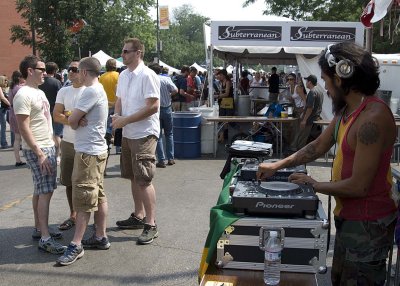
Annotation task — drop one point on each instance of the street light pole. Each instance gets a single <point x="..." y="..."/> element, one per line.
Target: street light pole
<point x="158" y="34"/>
<point x="32" y="20"/>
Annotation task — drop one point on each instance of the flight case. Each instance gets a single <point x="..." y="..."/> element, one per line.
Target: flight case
<point x="305" y="243"/>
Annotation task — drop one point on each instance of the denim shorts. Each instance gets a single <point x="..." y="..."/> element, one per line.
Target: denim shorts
<point x="42" y="184"/>
<point x="58" y="129"/>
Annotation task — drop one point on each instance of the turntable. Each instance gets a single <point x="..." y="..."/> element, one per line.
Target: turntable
<point x="274" y="198"/>
<point x="250" y="167"/>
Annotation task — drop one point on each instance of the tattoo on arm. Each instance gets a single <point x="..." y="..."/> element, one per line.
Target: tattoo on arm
<point x="368" y="133"/>
<point x="305" y="155"/>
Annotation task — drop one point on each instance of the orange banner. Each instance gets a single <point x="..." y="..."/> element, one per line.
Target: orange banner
<point x="164" y="17"/>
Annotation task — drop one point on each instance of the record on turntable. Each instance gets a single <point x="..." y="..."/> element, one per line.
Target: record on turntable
<point x="279" y="188"/>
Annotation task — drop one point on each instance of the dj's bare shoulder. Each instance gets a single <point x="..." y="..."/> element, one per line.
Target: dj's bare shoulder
<point x="376" y="126"/>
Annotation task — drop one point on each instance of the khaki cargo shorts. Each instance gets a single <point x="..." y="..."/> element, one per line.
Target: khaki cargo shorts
<point x="138" y="159"/>
<point x="88" y="181"/>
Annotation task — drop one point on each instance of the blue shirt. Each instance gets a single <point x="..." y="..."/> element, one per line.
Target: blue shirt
<point x="166" y="87"/>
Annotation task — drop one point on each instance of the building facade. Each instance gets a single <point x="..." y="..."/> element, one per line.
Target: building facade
<point x="11" y="54"/>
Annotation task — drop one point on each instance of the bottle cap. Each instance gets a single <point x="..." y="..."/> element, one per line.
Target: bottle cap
<point x="273" y="234"/>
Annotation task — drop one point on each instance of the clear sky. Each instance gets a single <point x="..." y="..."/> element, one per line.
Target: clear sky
<point x="221" y="9"/>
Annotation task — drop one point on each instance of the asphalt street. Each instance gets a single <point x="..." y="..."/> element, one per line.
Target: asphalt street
<point x="185" y="193"/>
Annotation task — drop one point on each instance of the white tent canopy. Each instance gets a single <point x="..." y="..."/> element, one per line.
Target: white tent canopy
<point x="279" y="43"/>
<point x="170" y="69"/>
<point x="199" y="67"/>
<point x="103" y="58"/>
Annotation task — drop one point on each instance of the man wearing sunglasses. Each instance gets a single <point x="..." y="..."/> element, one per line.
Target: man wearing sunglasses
<point x="65" y="103"/>
<point x="89" y="119"/>
<point x="137" y="112"/>
<point x="32" y="110"/>
<point x="50" y="88"/>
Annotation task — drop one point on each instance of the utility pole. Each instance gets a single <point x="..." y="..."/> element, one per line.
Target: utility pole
<point x="369" y="40"/>
<point x="158" y="35"/>
<point x="32" y="19"/>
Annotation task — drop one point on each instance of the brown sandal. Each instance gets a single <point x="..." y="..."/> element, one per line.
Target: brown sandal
<point x="67" y="224"/>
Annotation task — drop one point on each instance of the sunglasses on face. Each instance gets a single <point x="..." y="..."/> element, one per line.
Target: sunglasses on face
<point x="128" y="51"/>
<point x="290" y="78"/>
<point x="41" y="69"/>
<point x="73" y="69"/>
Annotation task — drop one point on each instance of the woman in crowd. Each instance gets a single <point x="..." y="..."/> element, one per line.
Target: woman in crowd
<point x="297" y="94"/>
<point x="225" y="100"/>
<point x="244" y="84"/>
<point x="5" y="105"/>
<point x="16" y="82"/>
<point x="301" y="91"/>
<point x="254" y="83"/>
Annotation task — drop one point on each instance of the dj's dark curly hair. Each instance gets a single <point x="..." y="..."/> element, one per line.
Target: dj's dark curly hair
<point x="365" y="78"/>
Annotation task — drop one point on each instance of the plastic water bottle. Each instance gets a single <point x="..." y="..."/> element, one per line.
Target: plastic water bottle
<point x="272" y="260"/>
<point x="216" y="108"/>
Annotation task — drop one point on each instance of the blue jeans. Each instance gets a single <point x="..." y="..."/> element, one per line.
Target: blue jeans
<point x="3" y="122"/>
<point x="166" y="124"/>
<point x="109" y="120"/>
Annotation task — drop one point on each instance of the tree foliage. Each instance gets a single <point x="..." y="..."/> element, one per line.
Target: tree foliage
<point x="108" y="23"/>
<point x="333" y="10"/>
<point x="183" y="42"/>
<point x="109" y="27"/>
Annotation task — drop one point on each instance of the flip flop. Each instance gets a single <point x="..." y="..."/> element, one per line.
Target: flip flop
<point x="67" y="224"/>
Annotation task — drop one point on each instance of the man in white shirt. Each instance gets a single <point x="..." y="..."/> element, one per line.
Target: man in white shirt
<point x="32" y="110"/>
<point x="89" y="119"/>
<point x="65" y="103"/>
<point x="137" y="112"/>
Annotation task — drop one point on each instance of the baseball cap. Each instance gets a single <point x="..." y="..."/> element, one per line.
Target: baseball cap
<point x="312" y="78"/>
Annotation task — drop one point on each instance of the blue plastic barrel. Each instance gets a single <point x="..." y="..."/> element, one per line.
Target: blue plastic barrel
<point x="187" y="134"/>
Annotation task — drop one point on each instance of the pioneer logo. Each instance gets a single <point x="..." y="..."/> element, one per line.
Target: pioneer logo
<point x="273" y="206"/>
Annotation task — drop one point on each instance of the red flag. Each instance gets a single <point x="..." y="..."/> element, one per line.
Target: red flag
<point x="77" y="25"/>
<point x="367" y="14"/>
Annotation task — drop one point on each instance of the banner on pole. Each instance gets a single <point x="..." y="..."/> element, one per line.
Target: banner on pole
<point x="164" y="17"/>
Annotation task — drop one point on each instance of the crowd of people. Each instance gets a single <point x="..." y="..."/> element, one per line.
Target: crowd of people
<point x="77" y="123"/>
<point x="73" y="125"/>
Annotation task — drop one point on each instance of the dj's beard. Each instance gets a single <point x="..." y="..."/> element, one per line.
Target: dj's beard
<point x="338" y="99"/>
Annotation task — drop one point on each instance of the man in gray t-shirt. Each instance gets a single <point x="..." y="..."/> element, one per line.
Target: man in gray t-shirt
<point x="311" y="112"/>
<point x="89" y="119"/>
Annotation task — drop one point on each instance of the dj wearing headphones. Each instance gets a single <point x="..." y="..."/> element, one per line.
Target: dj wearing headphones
<point x="364" y="129"/>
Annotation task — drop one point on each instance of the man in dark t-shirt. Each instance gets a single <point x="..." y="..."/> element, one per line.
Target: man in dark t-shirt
<point x="179" y="100"/>
<point x="273" y="89"/>
<point x="50" y="87"/>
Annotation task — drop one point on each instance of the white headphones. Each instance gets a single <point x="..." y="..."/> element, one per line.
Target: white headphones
<point x="344" y="68"/>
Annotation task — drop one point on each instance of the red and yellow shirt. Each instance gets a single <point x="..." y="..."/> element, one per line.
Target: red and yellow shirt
<point x="378" y="203"/>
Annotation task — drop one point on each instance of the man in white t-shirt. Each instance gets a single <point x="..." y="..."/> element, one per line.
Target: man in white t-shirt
<point x="65" y="103"/>
<point x="137" y="112"/>
<point x="89" y="119"/>
<point x="32" y="110"/>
